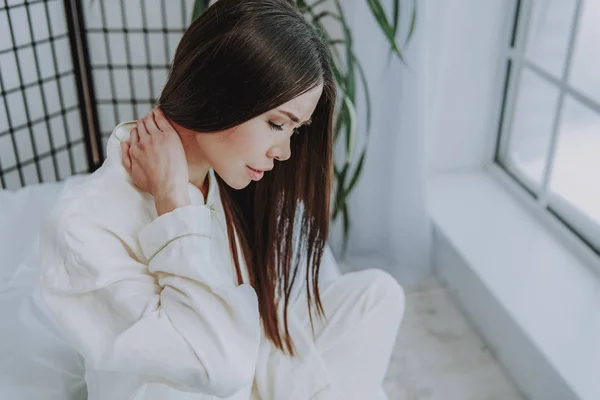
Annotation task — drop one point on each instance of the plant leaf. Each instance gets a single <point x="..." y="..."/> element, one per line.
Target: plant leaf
<point x="346" y="226"/>
<point x="342" y="184"/>
<point x="396" y="16"/>
<point x="350" y="87"/>
<point x="339" y="195"/>
<point x="335" y="42"/>
<point x="315" y="4"/>
<point x="357" y="172"/>
<point x="321" y="29"/>
<point x="302" y="5"/>
<point x="339" y="76"/>
<point x="318" y="17"/>
<point x="199" y="7"/>
<point x="413" y="21"/>
<point x="338" y="204"/>
<point x="379" y="14"/>
<point x="388" y="30"/>
<point x="363" y="78"/>
<point x="340" y="121"/>
<point x="346" y="79"/>
<point x="351" y="128"/>
<point x="336" y="210"/>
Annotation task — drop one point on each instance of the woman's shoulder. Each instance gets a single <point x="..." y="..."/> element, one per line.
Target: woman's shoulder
<point x="119" y="134"/>
<point x="104" y="202"/>
<point x="79" y="231"/>
<point x="103" y="199"/>
<point x="75" y="206"/>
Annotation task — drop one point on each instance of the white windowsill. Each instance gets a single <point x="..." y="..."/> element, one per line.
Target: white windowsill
<point x="551" y="294"/>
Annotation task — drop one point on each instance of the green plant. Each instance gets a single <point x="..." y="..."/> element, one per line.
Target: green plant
<point x="346" y="66"/>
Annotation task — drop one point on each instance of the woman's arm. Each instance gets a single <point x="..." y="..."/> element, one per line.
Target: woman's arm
<point x="180" y="321"/>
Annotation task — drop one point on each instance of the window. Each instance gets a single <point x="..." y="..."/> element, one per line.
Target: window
<point x="549" y="136"/>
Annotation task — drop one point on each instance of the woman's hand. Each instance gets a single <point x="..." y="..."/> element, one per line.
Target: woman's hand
<point x="155" y="159"/>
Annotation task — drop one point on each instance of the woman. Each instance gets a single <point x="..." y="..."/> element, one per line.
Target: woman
<point x="171" y="267"/>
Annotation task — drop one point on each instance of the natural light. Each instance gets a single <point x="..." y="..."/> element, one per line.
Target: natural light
<point x="576" y="161"/>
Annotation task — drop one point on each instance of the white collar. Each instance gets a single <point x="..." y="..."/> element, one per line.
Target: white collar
<point x="113" y="150"/>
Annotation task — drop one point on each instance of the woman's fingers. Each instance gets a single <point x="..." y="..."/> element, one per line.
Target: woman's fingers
<point x="142" y="130"/>
<point x="150" y="124"/>
<point x="125" y="156"/>
<point x="161" y="120"/>
<point x="133" y="135"/>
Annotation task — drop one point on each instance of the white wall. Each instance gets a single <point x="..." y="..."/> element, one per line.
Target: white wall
<point x="437" y="114"/>
<point x="390" y="226"/>
<point x="466" y="40"/>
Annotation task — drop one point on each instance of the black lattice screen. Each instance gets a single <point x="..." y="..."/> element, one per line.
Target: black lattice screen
<point x="70" y="71"/>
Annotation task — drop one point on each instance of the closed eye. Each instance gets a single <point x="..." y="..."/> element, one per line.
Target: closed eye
<point x="275" y="127"/>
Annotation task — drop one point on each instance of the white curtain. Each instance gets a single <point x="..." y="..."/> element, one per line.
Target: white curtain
<point x="390" y="225"/>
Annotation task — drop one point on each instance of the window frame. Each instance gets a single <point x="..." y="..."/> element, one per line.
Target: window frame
<point x="553" y="206"/>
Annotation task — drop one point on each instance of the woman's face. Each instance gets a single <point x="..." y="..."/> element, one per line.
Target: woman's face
<point x="236" y="153"/>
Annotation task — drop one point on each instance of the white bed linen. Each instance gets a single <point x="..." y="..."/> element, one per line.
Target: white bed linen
<point x="35" y="361"/>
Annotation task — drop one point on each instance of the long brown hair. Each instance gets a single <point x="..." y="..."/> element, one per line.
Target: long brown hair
<point x="238" y="60"/>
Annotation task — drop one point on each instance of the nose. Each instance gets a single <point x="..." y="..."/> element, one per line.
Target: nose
<point x="280" y="152"/>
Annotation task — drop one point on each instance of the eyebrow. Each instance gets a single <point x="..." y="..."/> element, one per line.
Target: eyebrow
<point x="294" y="118"/>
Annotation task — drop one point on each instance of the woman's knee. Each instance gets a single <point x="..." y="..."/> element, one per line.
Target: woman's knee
<point x="382" y="286"/>
<point x="385" y="283"/>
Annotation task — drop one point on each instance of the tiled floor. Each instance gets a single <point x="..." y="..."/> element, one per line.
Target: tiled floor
<point x="438" y="355"/>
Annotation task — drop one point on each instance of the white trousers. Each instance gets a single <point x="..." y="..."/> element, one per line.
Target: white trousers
<point x="364" y="309"/>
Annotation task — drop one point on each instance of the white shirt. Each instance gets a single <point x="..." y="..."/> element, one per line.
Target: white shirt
<point x="152" y="303"/>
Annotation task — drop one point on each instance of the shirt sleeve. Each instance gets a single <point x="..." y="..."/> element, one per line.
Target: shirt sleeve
<point x="179" y="320"/>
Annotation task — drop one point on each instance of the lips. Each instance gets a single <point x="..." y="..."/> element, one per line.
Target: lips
<point x="255" y="174"/>
<point x="261" y="170"/>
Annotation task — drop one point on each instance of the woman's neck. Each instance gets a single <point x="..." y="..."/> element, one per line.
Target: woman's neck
<point x="199" y="177"/>
<point x="197" y="165"/>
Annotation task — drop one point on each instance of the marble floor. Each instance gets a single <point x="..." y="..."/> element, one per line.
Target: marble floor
<point x="439" y="356"/>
